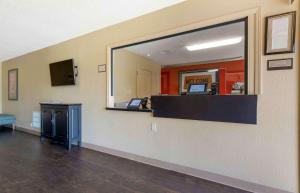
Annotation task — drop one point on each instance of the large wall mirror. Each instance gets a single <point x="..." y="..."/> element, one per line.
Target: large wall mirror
<point x="215" y="56"/>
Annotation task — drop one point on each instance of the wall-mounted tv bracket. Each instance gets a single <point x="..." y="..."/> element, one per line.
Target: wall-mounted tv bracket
<point x="76" y="71"/>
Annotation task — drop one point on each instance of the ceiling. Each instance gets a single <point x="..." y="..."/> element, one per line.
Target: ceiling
<point x="29" y="25"/>
<point x="172" y="51"/>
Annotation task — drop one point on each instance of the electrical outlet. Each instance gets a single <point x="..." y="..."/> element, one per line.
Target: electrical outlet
<point x="154" y="127"/>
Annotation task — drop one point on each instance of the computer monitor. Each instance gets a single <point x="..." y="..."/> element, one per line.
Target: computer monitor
<point x="197" y="89"/>
<point x="134" y="103"/>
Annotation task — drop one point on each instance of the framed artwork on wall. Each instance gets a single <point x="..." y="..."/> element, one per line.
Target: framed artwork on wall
<point x="291" y="1"/>
<point x="13" y="84"/>
<point x="280" y="33"/>
<point x="197" y="77"/>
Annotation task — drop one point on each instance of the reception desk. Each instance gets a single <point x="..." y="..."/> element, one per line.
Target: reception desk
<point x="227" y="108"/>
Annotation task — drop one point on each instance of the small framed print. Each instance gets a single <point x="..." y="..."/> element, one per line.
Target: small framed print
<point x="101" y="68"/>
<point x="13" y="84"/>
<point x="280" y="33"/>
<point x="280" y="64"/>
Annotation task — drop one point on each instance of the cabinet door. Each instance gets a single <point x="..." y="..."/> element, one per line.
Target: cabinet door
<point x="47" y="123"/>
<point x="61" y="123"/>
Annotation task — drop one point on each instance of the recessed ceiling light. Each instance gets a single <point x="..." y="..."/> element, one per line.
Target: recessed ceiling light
<point x="214" y="70"/>
<point x="214" y="44"/>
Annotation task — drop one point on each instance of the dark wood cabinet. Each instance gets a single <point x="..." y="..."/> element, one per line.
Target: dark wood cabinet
<point x="46" y="122"/>
<point x="61" y="123"/>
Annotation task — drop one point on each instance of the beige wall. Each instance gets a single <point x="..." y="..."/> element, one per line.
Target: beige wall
<point x="266" y="153"/>
<point x="126" y="64"/>
<point x="0" y="87"/>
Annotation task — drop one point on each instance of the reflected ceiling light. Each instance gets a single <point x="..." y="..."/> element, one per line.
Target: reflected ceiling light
<point x="215" y="44"/>
<point x="148" y="54"/>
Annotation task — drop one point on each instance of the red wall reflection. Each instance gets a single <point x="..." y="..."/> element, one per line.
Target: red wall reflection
<point x="230" y="72"/>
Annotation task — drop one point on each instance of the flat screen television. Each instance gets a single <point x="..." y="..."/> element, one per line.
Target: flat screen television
<point x="62" y="73"/>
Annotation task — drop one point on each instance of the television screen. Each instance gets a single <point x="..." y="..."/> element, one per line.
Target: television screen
<point x="62" y="73"/>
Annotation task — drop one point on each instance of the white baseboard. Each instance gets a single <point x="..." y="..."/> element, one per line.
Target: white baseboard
<point x="27" y="130"/>
<point x="244" y="185"/>
<point x="248" y="186"/>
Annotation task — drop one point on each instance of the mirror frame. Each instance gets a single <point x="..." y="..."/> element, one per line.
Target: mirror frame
<point x="252" y="47"/>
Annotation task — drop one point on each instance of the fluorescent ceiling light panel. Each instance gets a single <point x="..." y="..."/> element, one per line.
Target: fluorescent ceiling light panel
<point x="215" y="44"/>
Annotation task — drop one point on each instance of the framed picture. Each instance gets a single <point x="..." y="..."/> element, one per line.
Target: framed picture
<point x="291" y="1"/>
<point x="186" y="78"/>
<point x="13" y="84"/>
<point x="280" y="33"/>
<point x="280" y="64"/>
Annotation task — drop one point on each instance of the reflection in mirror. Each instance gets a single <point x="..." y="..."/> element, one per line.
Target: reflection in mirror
<point x="209" y="61"/>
